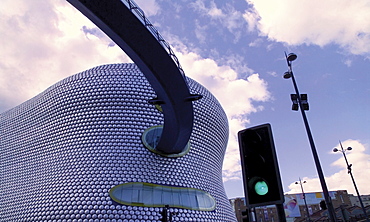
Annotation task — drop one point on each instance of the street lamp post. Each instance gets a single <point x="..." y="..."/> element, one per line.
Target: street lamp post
<point x="349" y="167"/>
<point x="304" y="198"/>
<point x="289" y="74"/>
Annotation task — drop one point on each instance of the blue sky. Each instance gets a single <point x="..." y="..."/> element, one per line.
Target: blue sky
<point x="235" y="49"/>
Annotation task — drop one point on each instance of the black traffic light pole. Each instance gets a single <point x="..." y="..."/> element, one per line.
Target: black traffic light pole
<point x="167" y="216"/>
<point x="164" y="214"/>
<point x="281" y="212"/>
<point x="289" y="58"/>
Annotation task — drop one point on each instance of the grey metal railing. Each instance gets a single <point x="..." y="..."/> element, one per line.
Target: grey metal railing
<point x="134" y="8"/>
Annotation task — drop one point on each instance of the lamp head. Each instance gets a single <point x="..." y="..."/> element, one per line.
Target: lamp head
<point x="287" y="75"/>
<point x="335" y="150"/>
<point x="291" y="57"/>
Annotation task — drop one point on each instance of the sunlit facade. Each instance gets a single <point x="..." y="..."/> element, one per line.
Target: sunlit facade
<point x="75" y="153"/>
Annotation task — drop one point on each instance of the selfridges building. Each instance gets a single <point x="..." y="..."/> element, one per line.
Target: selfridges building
<point x="80" y="151"/>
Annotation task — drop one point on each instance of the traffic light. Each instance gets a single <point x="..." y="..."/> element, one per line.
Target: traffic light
<point x="262" y="183"/>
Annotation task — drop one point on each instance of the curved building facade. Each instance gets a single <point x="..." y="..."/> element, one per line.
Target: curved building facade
<point x="76" y="152"/>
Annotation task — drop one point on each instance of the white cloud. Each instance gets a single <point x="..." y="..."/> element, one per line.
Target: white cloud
<point x="238" y="63"/>
<point x="237" y="97"/>
<point x="44" y="42"/>
<point x="214" y="11"/>
<point x="150" y="7"/>
<point x="345" y="22"/>
<point x="252" y="17"/>
<point x="256" y="43"/>
<point x="228" y="17"/>
<point x="272" y="73"/>
<point x="348" y="62"/>
<point x="200" y="32"/>
<point x="342" y="180"/>
<point x="222" y="81"/>
<point x="200" y="6"/>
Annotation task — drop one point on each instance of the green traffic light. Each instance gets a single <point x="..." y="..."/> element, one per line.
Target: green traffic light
<point x="261" y="187"/>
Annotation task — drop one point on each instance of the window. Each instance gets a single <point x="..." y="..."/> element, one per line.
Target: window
<point x="151" y="137"/>
<point x="154" y="195"/>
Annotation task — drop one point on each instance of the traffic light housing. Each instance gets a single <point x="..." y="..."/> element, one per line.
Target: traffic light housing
<point x="262" y="182"/>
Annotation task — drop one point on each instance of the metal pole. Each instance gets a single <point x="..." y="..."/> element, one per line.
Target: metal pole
<point x="314" y="152"/>
<point x="305" y="202"/>
<point x="281" y="212"/>
<point x="349" y="167"/>
<point x="255" y="214"/>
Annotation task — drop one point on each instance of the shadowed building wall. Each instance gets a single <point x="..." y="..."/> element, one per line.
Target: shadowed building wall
<point x="65" y="149"/>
